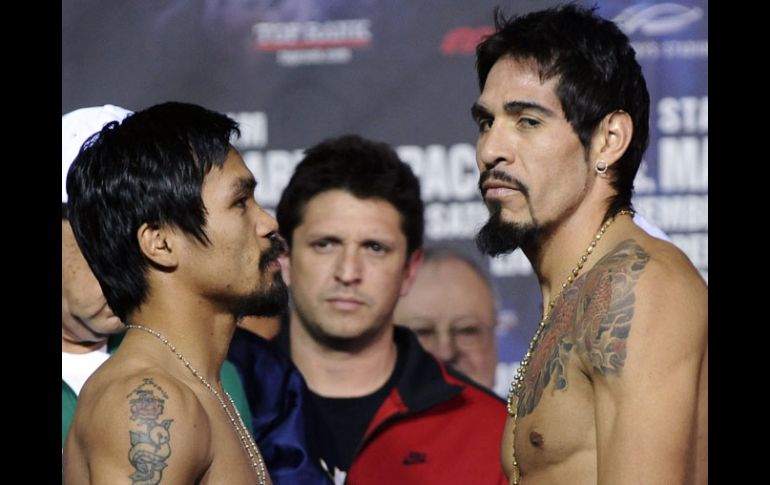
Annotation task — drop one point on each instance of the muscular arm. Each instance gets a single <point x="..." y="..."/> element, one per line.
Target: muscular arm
<point x="644" y="357"/>
<point x="141" y="430"/>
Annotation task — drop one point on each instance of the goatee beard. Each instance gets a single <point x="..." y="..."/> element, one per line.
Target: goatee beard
<point x="498" y="237"/>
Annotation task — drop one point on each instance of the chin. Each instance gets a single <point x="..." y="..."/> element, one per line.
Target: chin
<point x="501" y="235"/>
<point x="109" y="326"/>
<point x="518" y="216"/>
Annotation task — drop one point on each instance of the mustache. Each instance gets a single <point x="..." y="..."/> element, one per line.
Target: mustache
<point x="277" y="249"/>
<point x="502" y="177"/>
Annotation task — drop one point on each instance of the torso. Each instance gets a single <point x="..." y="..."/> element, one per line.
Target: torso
<point x="555" y="432"/>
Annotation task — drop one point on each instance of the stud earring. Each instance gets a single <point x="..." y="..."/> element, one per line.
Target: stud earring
<point x="600" y="167"/>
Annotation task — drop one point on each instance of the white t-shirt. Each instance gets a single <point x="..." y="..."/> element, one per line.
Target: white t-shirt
<point x="650" y="228"/>
<point x="77" y="368"/>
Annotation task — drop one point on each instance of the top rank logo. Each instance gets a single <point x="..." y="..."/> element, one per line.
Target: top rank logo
<point x="307" y="43"/>
<point x="277" y="36"/>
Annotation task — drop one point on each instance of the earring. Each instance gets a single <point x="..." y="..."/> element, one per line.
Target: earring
<point x="600" y="167"/>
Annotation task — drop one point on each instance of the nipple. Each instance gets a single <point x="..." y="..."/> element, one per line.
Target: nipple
<point x="536" y="439"/>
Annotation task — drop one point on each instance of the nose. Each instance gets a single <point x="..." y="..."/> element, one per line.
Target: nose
<point x="445" y="348"/>
<point x="348" y="267"/>
<point x="493" y="148"/>
<point x="267" y="226"/>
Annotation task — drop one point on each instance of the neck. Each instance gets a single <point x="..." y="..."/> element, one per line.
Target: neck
<point x="203" y="337"/>
<point x="337" y="373"/>
<point x="558" y="253"/>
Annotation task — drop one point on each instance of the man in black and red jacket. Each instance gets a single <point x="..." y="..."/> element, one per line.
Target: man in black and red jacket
<point x="386" y="410"/>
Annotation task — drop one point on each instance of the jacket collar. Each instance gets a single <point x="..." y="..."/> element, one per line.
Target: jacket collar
<point x="421" y="383"/>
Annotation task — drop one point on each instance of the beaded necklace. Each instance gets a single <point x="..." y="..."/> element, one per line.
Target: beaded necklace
<point x="514" y="391"/>
<point x="240" y="428"/>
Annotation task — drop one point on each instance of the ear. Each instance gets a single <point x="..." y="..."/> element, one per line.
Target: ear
<point x="410" y="271"/>
<point x="612" y="138"/>
<point x="285" y="268"/>
<point x="157" y="244"/>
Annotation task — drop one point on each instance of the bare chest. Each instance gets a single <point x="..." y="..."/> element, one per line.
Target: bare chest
<point x="233" y="459"/>
<point x="561" y="430"/>
<point x="229" y="463"/>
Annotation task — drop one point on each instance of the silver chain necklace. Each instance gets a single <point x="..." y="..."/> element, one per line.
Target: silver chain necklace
<point x="240" y="428"/>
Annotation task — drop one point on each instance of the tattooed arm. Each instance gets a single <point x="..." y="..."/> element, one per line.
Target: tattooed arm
<point x="143" y="429"/>
<point x="643" y="344"/>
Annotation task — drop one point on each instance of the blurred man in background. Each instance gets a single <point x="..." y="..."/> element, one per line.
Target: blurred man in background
<point x="451" y="308"/>
<point x="86" y="319"/>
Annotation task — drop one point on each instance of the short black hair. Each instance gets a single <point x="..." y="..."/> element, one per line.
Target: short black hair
<point x="149" y="168"/>
<point x="597" y="74"/>
<point x="364" y="168"/>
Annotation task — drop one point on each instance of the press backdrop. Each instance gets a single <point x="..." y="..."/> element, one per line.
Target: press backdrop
<point x="401" y="71"/>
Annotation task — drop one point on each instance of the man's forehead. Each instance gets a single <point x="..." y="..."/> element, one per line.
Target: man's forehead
<point x="329" y="211"/>
<point x="349" y="201"/>
<point x="231" y="170"/>
<point x="513" y="80"/>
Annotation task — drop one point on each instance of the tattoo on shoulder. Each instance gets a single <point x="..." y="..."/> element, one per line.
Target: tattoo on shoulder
<point x="594" y="317"/>
<point x="606" y="306"/>
<point x="151" y="437"/>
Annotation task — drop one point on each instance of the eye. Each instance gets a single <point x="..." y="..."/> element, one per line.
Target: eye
<point x="529" y="122"/>
<point x="484" y="124"/>
<point x="467" y="331"/>
<point x="424" y="332"/>
<point x="241" y="203"/>
<point x="376" y="247"/>
<point x="321" y="245"/>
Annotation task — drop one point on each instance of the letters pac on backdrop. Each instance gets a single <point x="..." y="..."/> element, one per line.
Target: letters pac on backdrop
<point x="397" y="71"/>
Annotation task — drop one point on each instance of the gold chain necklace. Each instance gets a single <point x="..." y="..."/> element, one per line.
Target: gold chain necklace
<point x="517" y="384"/>
<point x="240" y="428"/>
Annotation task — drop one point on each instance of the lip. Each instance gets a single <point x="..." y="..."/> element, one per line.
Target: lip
<point x="497" y="190"/>
<point x="274" y="265"/>
<point x="496" y="184"/>
<point x="345" y="304"/>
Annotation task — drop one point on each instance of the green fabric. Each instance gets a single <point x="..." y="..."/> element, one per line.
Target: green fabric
<point x="114" y="340"/>
<point x="68" y="402"/>
<point x="231" y="382"/>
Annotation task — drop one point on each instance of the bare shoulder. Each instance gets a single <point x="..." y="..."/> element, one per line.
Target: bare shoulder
<point x="143" y="424"/>
<point x="672" y="297"/>
<point x="643" y="344"/>
<point x="645" y="293"/>
<point x="649" y="275"/>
